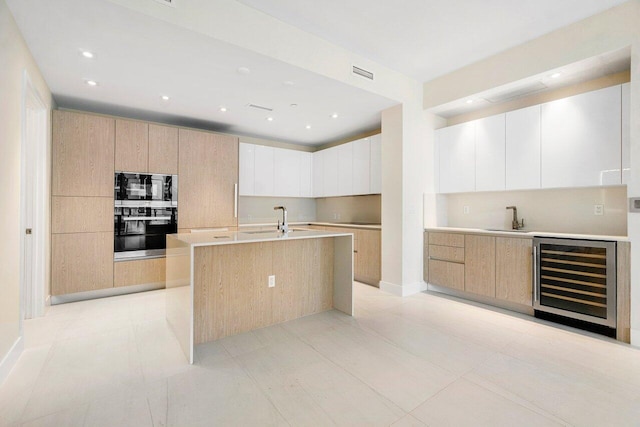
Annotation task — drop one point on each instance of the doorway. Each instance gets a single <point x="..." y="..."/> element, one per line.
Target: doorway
<point x="34" y="196"/>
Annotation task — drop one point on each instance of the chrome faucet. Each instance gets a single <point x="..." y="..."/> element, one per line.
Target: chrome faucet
<point x="284" y="227"/>
<point x="515" y="224"/>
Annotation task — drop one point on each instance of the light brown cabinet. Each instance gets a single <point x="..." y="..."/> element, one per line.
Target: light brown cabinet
<point x="368" y="253"/>
<point x="492" y="266"/>
<point x="480" y="265"/>
<point x="81" y="262"/>
<point x="163" y="149"/>
<point x="83" y="148"/>
<point x="445" y="259"/>
<point x="146" y="147"/>
<point x="139" y="272"/>
<point x="514" y="270"/>
<point x="82" y="155"/>
<point x="207" y="188"/>
<point x="132" y="146"/>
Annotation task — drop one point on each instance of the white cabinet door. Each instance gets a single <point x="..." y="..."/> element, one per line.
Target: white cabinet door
<point x="626" y="154"/>
<point x="490" y="153"/>
<point x="457" y="156"/>
<point x="306" y="173"/>
<point x="246" y="168"/>
<point x="523" y="149"/>
<point x="264" y="162"/>
<point x="361" y="166"/>
<point x="581" y="140"/>
<point x="375" y="171"/>
<point x="286" y="173"/>
<point x="345" y="169"/>
<point x="330" y="166"/>
<point x="318" y="174"/>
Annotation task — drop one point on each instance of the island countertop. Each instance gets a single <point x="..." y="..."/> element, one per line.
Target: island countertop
<point x="209" y="238"/>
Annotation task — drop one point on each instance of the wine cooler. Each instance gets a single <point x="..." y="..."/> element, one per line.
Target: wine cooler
<point x="576" y="279"/>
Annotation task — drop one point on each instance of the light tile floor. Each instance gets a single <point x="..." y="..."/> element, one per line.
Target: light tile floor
<point x="414" y="361"/>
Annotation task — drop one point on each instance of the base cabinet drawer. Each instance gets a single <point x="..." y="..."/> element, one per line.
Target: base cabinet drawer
<point x="446" y="253"/>
<point x="449" y="274"/>
<point x="139" y="272"/>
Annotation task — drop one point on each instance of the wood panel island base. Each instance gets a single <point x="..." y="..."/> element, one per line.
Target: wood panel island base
<point x="226" y="283"/>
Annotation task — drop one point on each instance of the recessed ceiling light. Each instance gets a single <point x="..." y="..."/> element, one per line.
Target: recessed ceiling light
<point x="469" y="101"/>
<point x="87" y="54"/>
<point x="244" y="70"/>
<point x="334" y="116"/>
<point x="293" y="105"/>
<point x="92" y="83"/>
<point x="307" y="127"/>
<point x="269" y="119"/>
<point x="223" y="109"/>
<point x="164" y="97"/>
<point x="555" y="75"/>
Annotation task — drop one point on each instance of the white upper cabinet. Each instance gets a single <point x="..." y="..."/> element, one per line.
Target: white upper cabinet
<point x="330" y="175"/>
<point x="264" y="167"/>
<point x="581" y="140"/>
<point x="306" y="173"/>
<point x="318" y="174"/>
<point x="523" y="149"/>
<point x="457" y="158"/>
<point x="490" y="153"/>
<point x="246" y="169"/>
<point x="626" y="165"/>
<point x="361" y="166"/>
<point x="286" y="173"/>
<point x="375" y="170"/>
<point x="345" y="169"/>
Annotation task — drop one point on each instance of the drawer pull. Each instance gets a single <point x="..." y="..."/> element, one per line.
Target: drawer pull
<point x="445" y="260"/>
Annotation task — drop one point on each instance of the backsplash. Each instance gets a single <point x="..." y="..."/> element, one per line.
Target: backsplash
<point x="558" y="210"/>
<point x="259" y="210"/>
<point x="349" y="209"/>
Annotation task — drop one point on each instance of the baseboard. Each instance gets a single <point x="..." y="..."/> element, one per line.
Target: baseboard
<point x="403" y="290"/>
<point x="9" y="361"/>
<point x="105" y="293"/>
<point x="47" y="301"/>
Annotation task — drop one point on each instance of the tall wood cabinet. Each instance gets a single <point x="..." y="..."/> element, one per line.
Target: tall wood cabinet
<point x="83" y="149"/>
<point x="207" y="188"/>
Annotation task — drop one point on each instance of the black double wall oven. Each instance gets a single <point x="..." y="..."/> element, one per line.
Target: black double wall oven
<point x="146" y="210"/>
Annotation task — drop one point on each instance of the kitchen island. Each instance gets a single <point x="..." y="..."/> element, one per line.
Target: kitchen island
<point x="225" y="283"/>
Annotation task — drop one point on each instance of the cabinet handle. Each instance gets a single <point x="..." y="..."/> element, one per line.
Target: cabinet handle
<point x="235" y="200"/>
<point x="535" y="274"/>
<point x="355" y="252"/>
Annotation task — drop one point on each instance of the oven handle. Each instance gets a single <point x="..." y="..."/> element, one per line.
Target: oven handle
<point x="536" y="296"/>
<point x="235" y="200"/>
<point x="146" y="218"/>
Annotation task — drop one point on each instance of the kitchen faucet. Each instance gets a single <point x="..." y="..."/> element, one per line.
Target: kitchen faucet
<point x="284" y="227"/>
<point x="515" y="224"/>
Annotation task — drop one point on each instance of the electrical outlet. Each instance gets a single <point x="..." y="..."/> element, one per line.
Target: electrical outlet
<point x="598" y="209"/>
<point x="465" y="210"/>
<point x="272" y="281"/>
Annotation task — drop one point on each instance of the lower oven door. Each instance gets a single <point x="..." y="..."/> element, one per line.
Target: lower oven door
<point x="576" y="279"/>
<point x="142" y="237"/>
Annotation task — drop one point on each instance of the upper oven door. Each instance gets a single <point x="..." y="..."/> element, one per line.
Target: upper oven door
<point x="148" y="187"/>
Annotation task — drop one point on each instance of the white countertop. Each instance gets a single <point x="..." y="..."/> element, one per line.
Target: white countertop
<point x="528" y="234"/>
<point x="210" y="238"/>
<point x="326" y="224"/>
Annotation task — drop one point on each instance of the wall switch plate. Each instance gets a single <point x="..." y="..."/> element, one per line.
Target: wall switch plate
<point x="272" y="281"/>
<point x="598" y="209"/>
<point x="465" y="210"/>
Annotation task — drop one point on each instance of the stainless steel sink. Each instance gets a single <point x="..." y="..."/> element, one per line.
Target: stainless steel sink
<point x="267" y="231"/>
<point x="507" y="231"/>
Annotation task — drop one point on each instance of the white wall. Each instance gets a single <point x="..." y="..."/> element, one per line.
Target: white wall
<point x="614" y="29"/>
<point x="14" y="59"/>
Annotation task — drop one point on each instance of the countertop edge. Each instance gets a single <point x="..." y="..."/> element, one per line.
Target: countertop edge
<point x="327" y="224"/>
<point x="527" y="234"/>
<point x="318" y="234"/>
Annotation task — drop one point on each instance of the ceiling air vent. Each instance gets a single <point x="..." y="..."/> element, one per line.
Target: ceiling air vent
<point x="260" y="107"/>
<point x="362" y="72"/>
<point x="171" y="3"/>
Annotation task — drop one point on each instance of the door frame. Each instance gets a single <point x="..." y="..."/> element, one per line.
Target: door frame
<point x="35" y="118"/>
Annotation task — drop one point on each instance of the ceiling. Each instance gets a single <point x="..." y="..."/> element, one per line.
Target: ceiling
<point x="429" y="38"/>
<point x="139" y="58"/>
